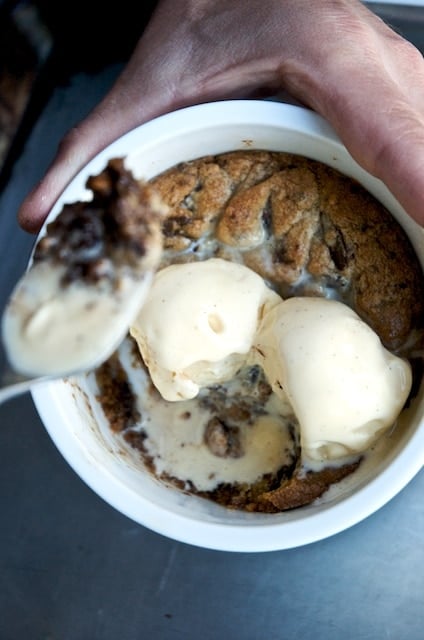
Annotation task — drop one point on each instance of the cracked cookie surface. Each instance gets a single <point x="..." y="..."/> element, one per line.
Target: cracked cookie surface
<point x="307" y="230"/>
<point x="302" y="226"/>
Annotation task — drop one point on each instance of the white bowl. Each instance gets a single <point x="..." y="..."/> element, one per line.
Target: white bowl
<point x="75" y="422"/>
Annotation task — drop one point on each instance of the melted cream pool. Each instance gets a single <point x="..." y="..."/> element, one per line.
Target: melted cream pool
<point x="175" y="438"/>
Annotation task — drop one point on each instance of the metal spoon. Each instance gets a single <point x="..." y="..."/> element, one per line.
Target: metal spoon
<point x="99" y="342"/>
<point x="91" y="271"/>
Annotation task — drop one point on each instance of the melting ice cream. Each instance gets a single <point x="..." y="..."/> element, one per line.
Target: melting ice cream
<point x="198" y="324"/>
<point x="203" y="321"/>
<point x="344" y="386"/>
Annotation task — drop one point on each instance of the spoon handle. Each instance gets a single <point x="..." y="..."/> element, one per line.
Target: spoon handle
<point x="13" y="384"/>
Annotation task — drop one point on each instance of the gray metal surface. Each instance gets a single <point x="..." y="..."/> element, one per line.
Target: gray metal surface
<point x="72" y="568"/>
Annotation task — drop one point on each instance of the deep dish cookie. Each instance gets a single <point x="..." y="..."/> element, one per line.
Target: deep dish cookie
<point x="307" y="230"/>
<point x="302" y="226"/>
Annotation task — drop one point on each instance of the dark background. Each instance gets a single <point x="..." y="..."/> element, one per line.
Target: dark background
<point x="71" y="567"/>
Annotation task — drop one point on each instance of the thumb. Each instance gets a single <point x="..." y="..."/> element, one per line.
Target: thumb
<point x="76" y="149"/>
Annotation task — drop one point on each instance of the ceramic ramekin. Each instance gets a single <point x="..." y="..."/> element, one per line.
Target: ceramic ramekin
<point x="76" y="424"/>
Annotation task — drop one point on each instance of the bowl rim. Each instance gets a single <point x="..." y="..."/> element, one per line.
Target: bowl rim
<point x="268" y="535"/>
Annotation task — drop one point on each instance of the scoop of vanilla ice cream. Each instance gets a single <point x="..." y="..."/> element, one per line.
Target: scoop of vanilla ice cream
<point x="51" y="329"/>
<point x="198" y="323"/>
<point x="344" y="386"/>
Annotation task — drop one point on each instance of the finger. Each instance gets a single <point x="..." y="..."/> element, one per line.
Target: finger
<point x="128" y="104"/>
<point x="74" y="151"/>
<point x="372" y="91"/>
<point x="77" y="148"/>
<point x="390" y="145"/>
<point x="381" y="126"/>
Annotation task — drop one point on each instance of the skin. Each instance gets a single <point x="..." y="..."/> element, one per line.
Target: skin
<point x="334" y="56"/>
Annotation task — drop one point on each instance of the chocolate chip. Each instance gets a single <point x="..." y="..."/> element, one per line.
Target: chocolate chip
<point x="222" y="440"/>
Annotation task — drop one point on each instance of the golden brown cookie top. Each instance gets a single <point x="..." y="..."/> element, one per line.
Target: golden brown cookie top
<point x="301" y="225"/>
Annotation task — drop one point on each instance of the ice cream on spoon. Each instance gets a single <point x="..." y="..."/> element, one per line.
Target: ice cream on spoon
<point x="90" y="273"/>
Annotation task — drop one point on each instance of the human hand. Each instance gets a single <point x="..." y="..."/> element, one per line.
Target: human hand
<point x="334" y="56"/>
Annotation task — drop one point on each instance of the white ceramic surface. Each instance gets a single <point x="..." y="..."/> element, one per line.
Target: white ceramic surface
<point x="81" y="434"/>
